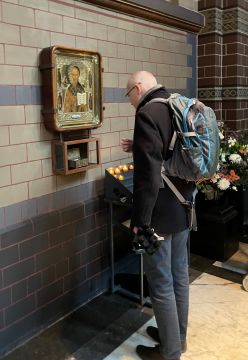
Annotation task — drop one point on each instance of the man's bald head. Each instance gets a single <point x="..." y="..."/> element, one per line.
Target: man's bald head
<point x="138" y="84"/>
<point x="145" y="78"/>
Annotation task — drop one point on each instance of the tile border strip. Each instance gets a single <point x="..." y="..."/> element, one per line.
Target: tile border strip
<point x="223" y="93"/>
<point x="15" y="95"/>
<point x="225" y="21"/>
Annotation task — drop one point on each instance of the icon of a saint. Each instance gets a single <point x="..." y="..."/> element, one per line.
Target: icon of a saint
<point x="75" y="95"/>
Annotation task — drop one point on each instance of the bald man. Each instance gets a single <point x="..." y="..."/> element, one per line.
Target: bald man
<point x="156" y="206"/>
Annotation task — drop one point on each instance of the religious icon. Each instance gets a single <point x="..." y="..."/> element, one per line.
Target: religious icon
<point x="74" y="100"/>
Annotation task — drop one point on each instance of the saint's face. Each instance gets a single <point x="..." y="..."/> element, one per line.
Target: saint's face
<point x="74" y="76"/>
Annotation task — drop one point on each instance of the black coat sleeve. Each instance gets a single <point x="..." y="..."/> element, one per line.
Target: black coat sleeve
<point x="148" y="150"/>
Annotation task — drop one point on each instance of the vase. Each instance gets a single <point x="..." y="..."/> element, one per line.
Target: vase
<point x="217" y="228"/>
<point x="239" y="199"/>
<point x="212" y="195"/>
<point x="212" y="199"/>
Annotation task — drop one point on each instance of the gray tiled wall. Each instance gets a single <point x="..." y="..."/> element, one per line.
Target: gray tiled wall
<point x="50" y="264"/>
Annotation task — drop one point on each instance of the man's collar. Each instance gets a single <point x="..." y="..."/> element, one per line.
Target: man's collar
<point x="154" y="88"/>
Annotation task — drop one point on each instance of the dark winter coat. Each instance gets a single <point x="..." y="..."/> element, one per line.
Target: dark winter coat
<point x="153" y="205"/>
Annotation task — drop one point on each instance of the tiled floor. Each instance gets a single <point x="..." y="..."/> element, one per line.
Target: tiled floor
<point x="90" y="333"/>
<point x="217" y="324"/>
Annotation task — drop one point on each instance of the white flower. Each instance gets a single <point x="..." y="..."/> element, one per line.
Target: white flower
<point x="235" y="158"/>
<point x="223" y="157"/>
<point x="215" y="178"/>
<point x="221" y="136"/>
<point x="231" y="142"/>
<point x="223" y="184"/>
<point x="218" y="167"/>
<point x="220" y="124"/>
<point x="234" y="188"/>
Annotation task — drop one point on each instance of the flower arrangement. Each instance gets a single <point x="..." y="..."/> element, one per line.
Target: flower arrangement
<point x="232" y="169"/>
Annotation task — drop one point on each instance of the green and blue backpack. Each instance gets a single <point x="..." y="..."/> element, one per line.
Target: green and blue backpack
<point x="195" y="143"/>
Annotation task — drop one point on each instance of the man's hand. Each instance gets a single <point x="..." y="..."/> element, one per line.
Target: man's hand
<point x="127" y="145"/>
<point x="135" y="229"/>
<point x="146" y="240"/>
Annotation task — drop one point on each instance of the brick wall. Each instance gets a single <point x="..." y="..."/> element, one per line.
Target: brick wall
<point x="222" y="60"/>
<point x="53" y="229"/>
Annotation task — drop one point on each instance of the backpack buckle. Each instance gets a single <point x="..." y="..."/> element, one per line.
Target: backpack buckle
<point x="188" y="204"/>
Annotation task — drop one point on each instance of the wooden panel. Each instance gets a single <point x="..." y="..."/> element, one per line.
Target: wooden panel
<point x="60" y="157"/>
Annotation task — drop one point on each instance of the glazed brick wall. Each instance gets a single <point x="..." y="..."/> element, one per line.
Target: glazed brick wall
<point x="126" y="44"/>
<point x="51" y="264"/>
<point x="235" y="60"/>
<point x="223" y="61"/>
<point x="209" y="60"/>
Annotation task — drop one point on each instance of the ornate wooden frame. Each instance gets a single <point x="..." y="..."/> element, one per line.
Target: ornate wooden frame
<point x="71" y="88"/>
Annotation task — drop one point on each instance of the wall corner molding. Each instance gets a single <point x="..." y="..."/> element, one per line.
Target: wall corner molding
<point x="158" y="11"/>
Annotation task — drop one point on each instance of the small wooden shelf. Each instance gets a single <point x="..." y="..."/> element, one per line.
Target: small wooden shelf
<point x="61" y="154"/>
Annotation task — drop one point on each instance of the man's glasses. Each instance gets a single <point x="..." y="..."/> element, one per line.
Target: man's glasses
<point x="129" y="91"/>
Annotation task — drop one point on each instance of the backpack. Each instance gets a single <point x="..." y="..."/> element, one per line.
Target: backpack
<point x="195" y="145"/>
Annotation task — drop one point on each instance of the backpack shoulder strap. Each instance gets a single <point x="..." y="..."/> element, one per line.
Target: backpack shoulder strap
<point x="190" y="205"/>
<point x="165" y="101"/>
<point x="173" y="188"/>
<point x="158" y="100"/>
